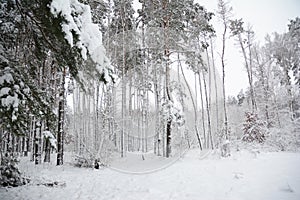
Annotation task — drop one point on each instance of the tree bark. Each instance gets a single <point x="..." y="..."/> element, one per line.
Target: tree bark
<point x="223" y="80"/>
<point x="61" y="112"/>
<point x="38" y="143"/>
<point x="47" y="146"/>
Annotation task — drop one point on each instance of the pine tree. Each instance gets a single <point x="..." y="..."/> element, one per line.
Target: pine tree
<point x="10" y="174"/>
<point x="34" y="52"/>
<point x="254" y="128"/>
<point x="225" y="13"/>
<point x="245" y="43"/>
<point x="173" y="23"/>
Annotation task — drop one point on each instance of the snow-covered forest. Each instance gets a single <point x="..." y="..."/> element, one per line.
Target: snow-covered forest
<point x="127" y="99"/>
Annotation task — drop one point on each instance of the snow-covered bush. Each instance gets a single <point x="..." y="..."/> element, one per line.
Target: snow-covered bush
<point x="225" y="148"/>
<point x="224" y="141"/>
<point x="254" y="128"/>
<point x="286" y="138"/>
<point x="88" y="161"/>
<point x="51" y="138"/>
<point x="9" y="171"/>
<point x="173" y="113"/>
<point x="82" y="161"/>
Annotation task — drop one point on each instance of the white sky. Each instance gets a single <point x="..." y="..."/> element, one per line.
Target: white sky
<point x="265" y="16"/>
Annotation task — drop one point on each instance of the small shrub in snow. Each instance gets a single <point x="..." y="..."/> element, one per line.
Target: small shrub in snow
<point x="225" y="148"/>
<point x="254" y="128"/>
<point x="224" y="141"/>
<point x="286" y="138"/>
<point x="10" y="174"/>
<point x="81" y="161"/>
<point x="88" y="161"/>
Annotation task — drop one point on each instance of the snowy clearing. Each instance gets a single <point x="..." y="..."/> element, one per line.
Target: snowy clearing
<point x="244" y="175"/>
<point x="128" y="86"/>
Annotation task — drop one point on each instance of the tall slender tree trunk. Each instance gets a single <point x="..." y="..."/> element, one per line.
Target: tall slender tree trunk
<point x="47" y="146"/>
<point x="61" y="112"/>
<point x="194" y="106"/>
<point x="123" y="110"/>
<point x="208" y="100"/>
<point x="215" y="84"/>
<point x="157" y="87"/>
<point x="209" y="138"/>
<point x="249" y="72"/>
<point x="165" y="5"/>
<point x="32" y="138"/>
<point x="169" y="120"/>
<point x="202" y="111"/>
<point x="223" y="80"/>
<point x="38" y="143"/>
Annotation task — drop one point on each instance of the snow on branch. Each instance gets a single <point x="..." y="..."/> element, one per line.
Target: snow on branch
<point x="49" y="136"/>
<point x="11" y="93"/>
<point x="78" y="21"/>
<point x="173" y="111"/>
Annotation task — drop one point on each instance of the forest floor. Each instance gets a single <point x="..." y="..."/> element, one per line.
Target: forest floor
<point x="245" y="175"/>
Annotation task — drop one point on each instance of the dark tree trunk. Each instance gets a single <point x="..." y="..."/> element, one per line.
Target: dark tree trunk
<point x="168" y="152"/>
<point x="61" y="111"/>
<point x="32" y="138"/>
<point x="47" y="145"/>
<point x="37" y="143"/>
<point x="60" y="150"/>
<point x="47" y="151"/>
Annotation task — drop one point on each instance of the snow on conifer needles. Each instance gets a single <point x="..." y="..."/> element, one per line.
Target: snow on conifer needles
<point x="81" y="32"/>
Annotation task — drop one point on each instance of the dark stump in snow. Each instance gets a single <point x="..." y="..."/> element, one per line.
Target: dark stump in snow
<point x="97" y="164"/>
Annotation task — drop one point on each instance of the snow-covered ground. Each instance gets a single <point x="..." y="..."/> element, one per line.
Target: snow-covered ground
<point x="244" y="175"/>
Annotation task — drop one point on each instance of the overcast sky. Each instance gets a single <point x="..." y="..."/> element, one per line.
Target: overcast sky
<point x="265" y="16"/>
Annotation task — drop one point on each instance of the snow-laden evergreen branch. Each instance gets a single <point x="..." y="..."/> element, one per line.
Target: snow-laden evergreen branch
<point x="81" y="32"/>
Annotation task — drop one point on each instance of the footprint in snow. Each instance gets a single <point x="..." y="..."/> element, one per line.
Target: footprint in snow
<point x="238" y="175"/>
<point x="287" y="188"/>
